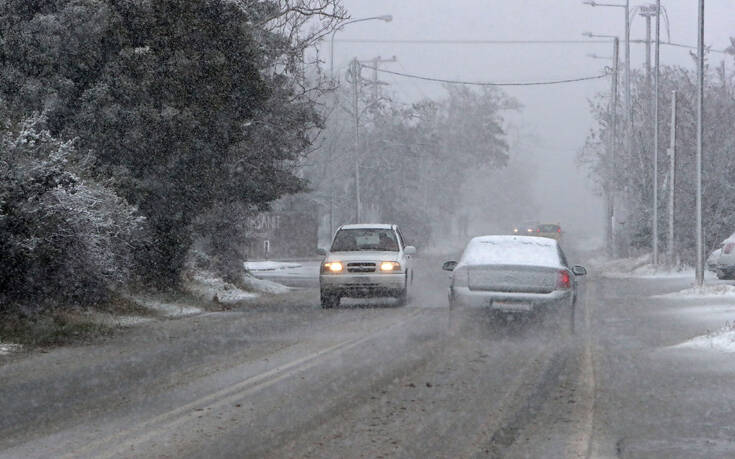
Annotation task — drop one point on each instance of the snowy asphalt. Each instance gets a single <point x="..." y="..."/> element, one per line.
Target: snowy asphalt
<point x="288" y="379"/>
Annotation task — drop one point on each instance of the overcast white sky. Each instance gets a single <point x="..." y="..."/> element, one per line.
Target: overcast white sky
<point x="555" y="120"/>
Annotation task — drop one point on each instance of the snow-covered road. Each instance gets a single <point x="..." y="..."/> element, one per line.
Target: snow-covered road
<point x="287" y="379"/>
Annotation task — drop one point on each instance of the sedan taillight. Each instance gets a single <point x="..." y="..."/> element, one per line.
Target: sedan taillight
<point x="564" y="280"/>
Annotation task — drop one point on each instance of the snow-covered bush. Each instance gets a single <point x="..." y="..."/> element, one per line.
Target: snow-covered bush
<point x="64" y="239"/>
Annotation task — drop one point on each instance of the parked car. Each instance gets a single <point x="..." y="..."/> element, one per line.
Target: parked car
<point x="725" y="266"/>
<point x="550" y="230"/>
<point x="366" y="260"/>
<point x="713" y="260"/>
<point x="515" y="275"/>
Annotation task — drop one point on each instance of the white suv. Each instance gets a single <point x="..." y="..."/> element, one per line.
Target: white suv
<point x="366" y="260"/>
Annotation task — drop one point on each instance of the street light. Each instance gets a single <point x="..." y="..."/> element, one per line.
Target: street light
<point x="628" y="105"/>
<point x="384" y="18"/>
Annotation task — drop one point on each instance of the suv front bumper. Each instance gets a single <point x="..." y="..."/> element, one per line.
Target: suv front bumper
<point x="363" y="285"/>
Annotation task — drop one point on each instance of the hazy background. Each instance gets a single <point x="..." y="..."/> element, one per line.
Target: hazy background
<point x="549" y="131"/>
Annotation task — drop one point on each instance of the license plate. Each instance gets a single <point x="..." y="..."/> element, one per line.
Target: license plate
<point x="511" y="306"/>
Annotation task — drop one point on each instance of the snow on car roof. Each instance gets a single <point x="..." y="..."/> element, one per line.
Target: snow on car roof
<point x="511" y="250"/>
<point x="368" y="226"/>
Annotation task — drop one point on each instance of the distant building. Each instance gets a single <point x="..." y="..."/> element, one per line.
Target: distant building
<point x="287" y="233"/>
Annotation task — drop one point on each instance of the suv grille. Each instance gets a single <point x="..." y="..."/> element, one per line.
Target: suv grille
<point x="361" y="267"/>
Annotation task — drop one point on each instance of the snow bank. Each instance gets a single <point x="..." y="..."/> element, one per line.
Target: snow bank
<point x="639" y="267"/>
<point x="209" y="287"/>
<point x="10" y="348"/>
<point x="263" y="285"/>
<point x="705" y="291"/>
<point x="722" y="340"/>
<point x="269" y="265"/>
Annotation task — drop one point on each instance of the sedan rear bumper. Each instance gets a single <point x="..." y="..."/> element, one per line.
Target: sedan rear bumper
<point x="509" y="301"/>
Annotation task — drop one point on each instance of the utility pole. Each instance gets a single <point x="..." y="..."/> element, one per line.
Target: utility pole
<point x="613" y="145"/>
<point x="672" y="178"/>
<point x="655" y="134"/>
<point x="700" y="132"/>
<point x="374" y="64"/>
<point x="354" y="71"/>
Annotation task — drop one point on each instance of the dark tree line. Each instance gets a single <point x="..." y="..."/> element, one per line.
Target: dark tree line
<point x="175" y="107"/>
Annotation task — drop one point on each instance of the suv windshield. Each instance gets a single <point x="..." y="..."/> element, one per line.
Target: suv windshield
<point x="348" y="240"/>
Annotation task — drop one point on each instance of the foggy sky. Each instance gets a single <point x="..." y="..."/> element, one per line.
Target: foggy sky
<point x="555" y="120"/>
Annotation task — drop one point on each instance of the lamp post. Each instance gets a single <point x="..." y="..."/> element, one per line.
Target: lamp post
<point x="628" y="105"/>
<point x="610" y="224"/>
<point x="384" y="18"/>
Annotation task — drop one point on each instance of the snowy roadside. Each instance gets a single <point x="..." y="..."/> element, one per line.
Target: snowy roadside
<point x="293" y="274"/>
<point x="722" y="340"/>
<point x="10" y="348"/>
<point x="203" y="289"/>
<point x="708" y="305"/>
<point x="639" y="267"/>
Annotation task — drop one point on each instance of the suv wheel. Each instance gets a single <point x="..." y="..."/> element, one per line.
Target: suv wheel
<point x="402" y="297"/>
<point x="329" y="300"/>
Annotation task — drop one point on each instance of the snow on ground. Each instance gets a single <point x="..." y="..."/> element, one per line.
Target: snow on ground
<point x="281" y="269"/>
<point x="119" y="321"/>
<point x="722" y="340"/>
<point x="639" y="267"/>
<point x="167" y="309"/>
<point x="705" y="291"/>
<point x="209" y="287"/>
<point x="263" y="285"/>
<point x="270" y="265"/>
<point x="10" y="348"/>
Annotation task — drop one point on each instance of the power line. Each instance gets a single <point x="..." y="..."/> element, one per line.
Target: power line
<point x="467" y="42"/>
<point x="487" y="83"/>
<point x="507" y="42"/>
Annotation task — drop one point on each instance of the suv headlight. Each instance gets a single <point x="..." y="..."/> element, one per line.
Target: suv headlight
<point x="390" y="266"/>
<point x="332" y="267"/>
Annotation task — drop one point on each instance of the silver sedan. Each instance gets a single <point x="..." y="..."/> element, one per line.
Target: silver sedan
<point x="517" y="275"/>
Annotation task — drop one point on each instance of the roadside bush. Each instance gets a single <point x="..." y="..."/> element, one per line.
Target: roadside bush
<point x="64" y="239"/>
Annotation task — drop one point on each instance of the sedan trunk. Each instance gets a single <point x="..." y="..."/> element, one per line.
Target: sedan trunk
<point x="513" y="278"/>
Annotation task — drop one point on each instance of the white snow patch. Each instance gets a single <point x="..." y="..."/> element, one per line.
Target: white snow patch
<point x="129" y="321"/>
<point x="263" y="285"/>
<point x="269" y="265"/>
<point x="209" y="287"/>
<point x="722" y="340"/>
<point x="167" y="309"/>
<point x="10" y="348"/>
<point x="705" y="291"/>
